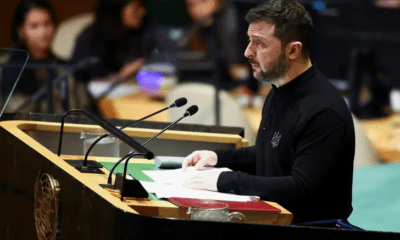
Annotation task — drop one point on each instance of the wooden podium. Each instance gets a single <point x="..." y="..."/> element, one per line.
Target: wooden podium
<point x="43" y="195"/>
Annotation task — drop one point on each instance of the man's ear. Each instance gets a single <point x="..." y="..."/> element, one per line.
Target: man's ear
<point x="293" y="50"/>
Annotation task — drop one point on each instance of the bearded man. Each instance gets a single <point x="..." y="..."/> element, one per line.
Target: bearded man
<point x="304" y="152"/>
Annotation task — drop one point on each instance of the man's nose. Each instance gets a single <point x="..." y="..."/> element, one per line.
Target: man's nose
<point x="248" y="52"/>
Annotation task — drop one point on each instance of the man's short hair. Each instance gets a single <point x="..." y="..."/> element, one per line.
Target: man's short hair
<point x="292" y="21"/>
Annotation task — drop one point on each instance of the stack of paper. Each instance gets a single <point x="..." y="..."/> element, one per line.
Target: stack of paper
<point x="169" y="183"/>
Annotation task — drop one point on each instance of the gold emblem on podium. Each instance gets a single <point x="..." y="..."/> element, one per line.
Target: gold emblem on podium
<point x="46" y="206"/>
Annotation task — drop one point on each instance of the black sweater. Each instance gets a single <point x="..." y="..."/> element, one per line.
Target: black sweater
<point x="304" y="152"/>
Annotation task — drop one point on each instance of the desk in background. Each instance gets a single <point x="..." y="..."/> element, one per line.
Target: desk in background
<point x="133" y="107"/>
<point x="384" y="134"/>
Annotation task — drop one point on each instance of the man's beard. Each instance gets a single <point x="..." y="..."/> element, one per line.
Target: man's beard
<point x="275" y="70"/>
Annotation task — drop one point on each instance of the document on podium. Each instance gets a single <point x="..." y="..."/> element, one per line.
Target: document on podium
<point x="169" y="183"/>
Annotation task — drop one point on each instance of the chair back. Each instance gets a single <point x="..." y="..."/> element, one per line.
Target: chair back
<point x="365" y="154"/>
<point x="67" y="32"/>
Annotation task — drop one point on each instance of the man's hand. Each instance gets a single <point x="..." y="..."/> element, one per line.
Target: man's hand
<point x="203" y="180"/>
<point x="200" y="159"/>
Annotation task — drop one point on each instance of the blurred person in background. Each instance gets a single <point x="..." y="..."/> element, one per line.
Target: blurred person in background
<point x="122" y="38"/>
<point x="215" y="30"/>
<point x="33" y="27"/>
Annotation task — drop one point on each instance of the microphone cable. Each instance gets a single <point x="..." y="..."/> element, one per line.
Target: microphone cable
<point x="125" y="169"/>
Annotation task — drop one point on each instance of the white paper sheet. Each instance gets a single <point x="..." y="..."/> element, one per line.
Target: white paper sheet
<point x="177" y="176"/>
<point x="98" y="87"/>
<point x="168" y="183"/>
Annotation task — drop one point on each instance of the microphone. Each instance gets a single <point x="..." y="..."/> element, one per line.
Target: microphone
<point x="134" y="182"/>
<point x="110" y="128"/>
<point x="178" y="103"/>
<point x="189" y="112"/>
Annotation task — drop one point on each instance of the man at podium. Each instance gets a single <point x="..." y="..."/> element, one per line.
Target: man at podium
<point x="304" y="152"/>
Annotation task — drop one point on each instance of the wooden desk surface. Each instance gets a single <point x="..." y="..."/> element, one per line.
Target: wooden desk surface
<point x="168" y="210"/>
<point x="384" y="134"/>
<point x="133" y="107"/>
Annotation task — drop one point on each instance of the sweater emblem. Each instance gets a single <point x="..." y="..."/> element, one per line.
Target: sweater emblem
<point x="275" y="139"/>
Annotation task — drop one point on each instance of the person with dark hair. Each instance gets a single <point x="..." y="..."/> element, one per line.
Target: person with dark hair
<point x="214" y="33"/>
<point x="122" y="38"/>
<point x="33" y="27"/>
<point x="30" y="17"/>
<point x="304" y="152"/>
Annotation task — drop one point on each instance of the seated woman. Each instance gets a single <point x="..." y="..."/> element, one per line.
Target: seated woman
<point x="33" y="26"/>
<point x="121" y="38"/>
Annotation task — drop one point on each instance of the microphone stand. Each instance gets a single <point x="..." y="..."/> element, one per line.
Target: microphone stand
<point x="191" y="110"/>
<point x="108" y="127"/>
<point x="108" y="134"/>
<point x="124" y="176"/>
<point x="128" y="156"/>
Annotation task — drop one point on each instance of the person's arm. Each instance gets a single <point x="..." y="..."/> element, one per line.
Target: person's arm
<point x="317" y="148"/>
<point x="242" y="159"/>
<point x="131" y="68"/>
<point x="221" y="158"/>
